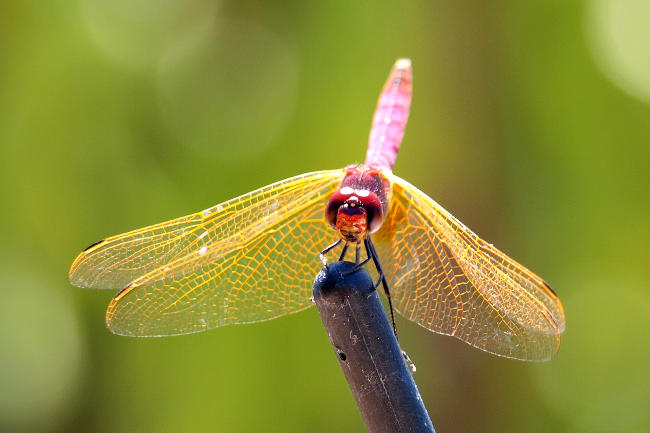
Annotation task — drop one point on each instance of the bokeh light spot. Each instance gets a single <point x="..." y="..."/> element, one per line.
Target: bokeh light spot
<point x="228" y="90"/>
<point x="619" y="36"/>
<point x="134" y="33"/>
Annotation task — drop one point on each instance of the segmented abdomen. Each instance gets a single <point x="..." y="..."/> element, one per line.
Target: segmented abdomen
<point x="391" y="116"/>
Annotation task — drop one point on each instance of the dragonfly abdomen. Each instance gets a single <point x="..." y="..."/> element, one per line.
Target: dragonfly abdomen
<point x="390" y="118"/>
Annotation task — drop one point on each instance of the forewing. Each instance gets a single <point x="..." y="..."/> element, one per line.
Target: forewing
<point x="248" y="278"/>
<point x="448" y="280"/>
<point x="256" y="261"/>
<point x="118" y="260"/>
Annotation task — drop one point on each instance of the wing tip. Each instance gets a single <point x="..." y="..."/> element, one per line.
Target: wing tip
<point x="110" y="312"/>
<point x="123" y="291"/>
<point x="559" y="318"/>
<point x="550" y="289"/>
<point x="94" y="244"/>
<point x="73" y="276"/>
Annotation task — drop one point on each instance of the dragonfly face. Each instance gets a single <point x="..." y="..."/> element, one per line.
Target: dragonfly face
<point x="354" y="213"/>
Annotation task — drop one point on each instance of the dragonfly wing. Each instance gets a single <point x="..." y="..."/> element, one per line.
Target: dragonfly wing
<point x="450" y="281"/>
<point x="256" y="261"/>
<point x="118" y="260"/>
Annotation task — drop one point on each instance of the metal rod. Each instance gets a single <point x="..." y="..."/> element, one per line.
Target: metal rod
<point x="368" y="351"/>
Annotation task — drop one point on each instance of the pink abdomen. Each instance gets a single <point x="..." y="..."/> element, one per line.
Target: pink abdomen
<point x="391" y="115"/>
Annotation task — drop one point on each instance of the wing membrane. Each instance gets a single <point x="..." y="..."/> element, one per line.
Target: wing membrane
<point x="450" y="281"/>
<point x="241" y="280"/>
<point x="118" y="260"/>
<point x="256" y="261"/>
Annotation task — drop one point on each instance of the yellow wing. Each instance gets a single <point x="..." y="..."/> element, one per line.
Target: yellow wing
<point x="448" y="280"/>
<point x="249" y="259"/>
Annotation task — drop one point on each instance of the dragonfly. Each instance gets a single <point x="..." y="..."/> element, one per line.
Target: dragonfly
<point x="254" y="258"/>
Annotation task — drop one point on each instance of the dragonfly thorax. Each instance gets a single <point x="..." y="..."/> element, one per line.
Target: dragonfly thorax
<point x="353" y="213"/>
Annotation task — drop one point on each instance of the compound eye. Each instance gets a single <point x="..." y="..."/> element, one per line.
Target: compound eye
<point x="335" y="202"/>
<point x="375" y="219"/>
<point x="374" y="210"/>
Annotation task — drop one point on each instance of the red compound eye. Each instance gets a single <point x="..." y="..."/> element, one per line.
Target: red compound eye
<point x="372" y="205"/>
<point x="336" y="201"/>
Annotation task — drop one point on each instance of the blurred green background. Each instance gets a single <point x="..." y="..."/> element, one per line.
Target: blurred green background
<point x="530" y="122"/>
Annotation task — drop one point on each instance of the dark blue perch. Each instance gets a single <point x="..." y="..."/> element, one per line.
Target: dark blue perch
<point x="368" y="351"/>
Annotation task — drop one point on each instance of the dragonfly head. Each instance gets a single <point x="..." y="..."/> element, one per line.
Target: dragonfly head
<point x="353" y="213"/>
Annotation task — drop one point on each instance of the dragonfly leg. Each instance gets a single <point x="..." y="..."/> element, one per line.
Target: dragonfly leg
<point x="323" y="259"/>
<point x="358" y="264"/>
<point x="372" y="253"/>
<point x="368" y="257"/>
<point x="369" y="254"/>
<point x="345" y="250"/>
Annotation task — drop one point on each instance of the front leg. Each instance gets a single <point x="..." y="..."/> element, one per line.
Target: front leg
<point x="323" y="259"/>
<point x="358" y="264"/>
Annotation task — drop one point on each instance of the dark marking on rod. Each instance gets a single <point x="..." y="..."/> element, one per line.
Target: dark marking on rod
<point x="92" y="245"/>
